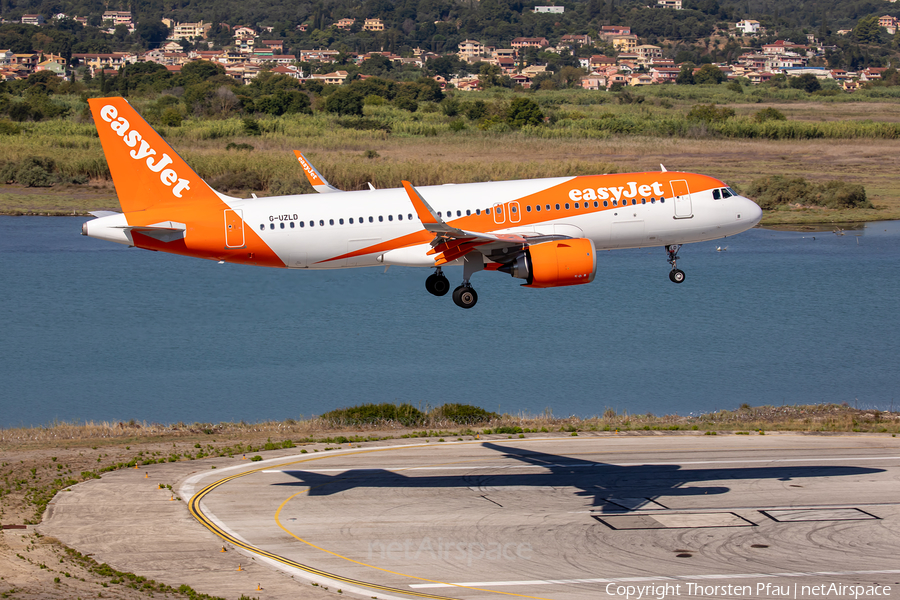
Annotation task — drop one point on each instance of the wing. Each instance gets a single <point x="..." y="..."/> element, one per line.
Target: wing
<point x="451" y="243"/>
<point x="315" y="178"/>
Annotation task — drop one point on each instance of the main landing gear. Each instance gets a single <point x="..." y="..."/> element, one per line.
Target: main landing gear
<point x="676" y="275"/>
<point x="464" y="296"/>
<point x="437" y="284"/>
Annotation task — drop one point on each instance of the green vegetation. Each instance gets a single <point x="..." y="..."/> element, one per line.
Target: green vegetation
<point x="777" y="191"/>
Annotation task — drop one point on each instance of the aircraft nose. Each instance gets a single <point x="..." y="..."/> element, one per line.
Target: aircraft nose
<point x="750" y="211"/>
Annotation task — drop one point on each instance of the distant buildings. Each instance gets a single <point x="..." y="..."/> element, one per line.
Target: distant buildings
<point x="373" y="25"/>
<point x="550" y="9"/>
<point x="748" y="27"/>
<point x="676" y="4"/>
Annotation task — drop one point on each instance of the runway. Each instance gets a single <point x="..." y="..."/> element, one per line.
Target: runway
<point x="572" y="517"/>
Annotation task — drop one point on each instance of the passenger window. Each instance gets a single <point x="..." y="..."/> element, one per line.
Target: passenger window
<point x="487" y="211"/>
<point x="557" y="207"/>
<point x="321" y="222"/>
<point x="567" y="206"/>
<point x="282" y="225"/>
<point x="302" y="224"/>
<point x="643" y="201"/>
<point x="528" y="208"/>
<point x="409" y="216"/>
<point x="380" y="219"/>
<point x="478" y="211"/>
<point x="537" y="207"/>
<point x="606" y="203"/>
<point x="262" y="226"/>
<point x="459" y="213"/>
<point x="271" y="225"/>
<point x="596" y="204"/>
<point x="312" y="223"/>
<point x="633" y="201"/>
<point x="548" y="207"/>
<point x="390" y="217"/>
<point x="468" y="212"/>
<point x="652" y="200"/>
<point x="439" y="213"/>
<point x="399" y="217"/>
<point x="292" y="224"/>
<point x="662" y="200"/>
<point x="351" y="220"/>
<point x="331" y="221"/>
<point x="513" y="209"/>
<point x="717" y="195"/>
<point x="371" y="220"/>
<point x="340" y="221"/>
<point x="615" y="202"/>
<point x="576" y="205"/>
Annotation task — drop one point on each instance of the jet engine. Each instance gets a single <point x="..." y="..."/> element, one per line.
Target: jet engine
<point x="555" y="264"/>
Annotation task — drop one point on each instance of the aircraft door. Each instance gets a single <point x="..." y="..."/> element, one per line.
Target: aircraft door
<point x="499" y="215"/>
<point x="514" y="215"/>
<point x="681" y="195"/>
<point x="234" y="228"/>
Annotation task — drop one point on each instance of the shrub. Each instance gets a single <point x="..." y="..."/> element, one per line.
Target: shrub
<point x="457" y="125"/>
<point x="171" y="118"/>
<point x="769" y="114"/>
<point x="476" y="110"/>
<point x="450" y="106"/>
<point x="9" y="128"/>
<point x="710" y="113"/>
<point x="464" y="414"/>
<point x="524" y="111"/>
<point x="405" y="103"/>
<point x="369" y="414"/>
<point x="251" y="126"/>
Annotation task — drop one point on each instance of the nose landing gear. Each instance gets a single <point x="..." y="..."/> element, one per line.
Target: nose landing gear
<point x="676" y="275"/>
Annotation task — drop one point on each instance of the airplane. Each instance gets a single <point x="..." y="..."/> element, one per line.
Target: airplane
<point x="544" y="231"/>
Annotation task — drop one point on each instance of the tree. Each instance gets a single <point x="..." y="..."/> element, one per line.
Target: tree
<point x="489" y="75"/>
<point x="709" y="74"/>
<point x="807" y="82"/>
<point x="345" y="101"/>
<point x="686" y="75"/>
<point x="524" y="111"/>
<point x="152" y="34"/>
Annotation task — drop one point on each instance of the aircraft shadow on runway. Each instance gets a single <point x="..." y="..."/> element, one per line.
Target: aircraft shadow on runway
<point x="600" y="481"/>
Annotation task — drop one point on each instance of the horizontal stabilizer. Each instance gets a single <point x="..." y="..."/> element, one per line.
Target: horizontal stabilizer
<point x="103" y="213"/>
<point x="167" y="231"/>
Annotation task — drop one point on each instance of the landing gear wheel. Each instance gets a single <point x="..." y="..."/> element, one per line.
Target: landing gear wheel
<point x="437" y="284"/>
<point x="464" y="297"/>
<point x="676" y="275"/>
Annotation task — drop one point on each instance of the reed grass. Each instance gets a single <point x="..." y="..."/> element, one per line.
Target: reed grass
<point x="805" y="418"/>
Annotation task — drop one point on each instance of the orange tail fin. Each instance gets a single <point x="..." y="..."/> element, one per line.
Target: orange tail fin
<point x="144" y="168"/>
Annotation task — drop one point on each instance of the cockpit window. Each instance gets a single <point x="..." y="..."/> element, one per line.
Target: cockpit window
<point x="717" y="195"/>
<point x="727" y="193"/>
<point x="733" y="193"/>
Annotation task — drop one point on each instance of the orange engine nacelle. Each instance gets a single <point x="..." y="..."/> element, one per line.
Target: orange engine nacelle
<point x="555" y="264"/>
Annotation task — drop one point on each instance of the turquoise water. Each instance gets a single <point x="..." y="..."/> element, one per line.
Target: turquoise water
<point x="94" y="330"/>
